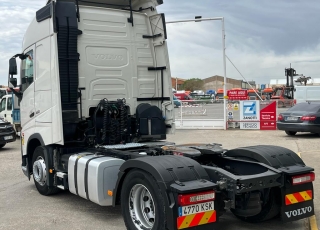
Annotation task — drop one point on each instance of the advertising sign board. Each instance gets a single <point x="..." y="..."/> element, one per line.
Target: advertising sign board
<point x="249" y="114"/>
<point x="268" y="115"/>
<point x="237" y="95"/>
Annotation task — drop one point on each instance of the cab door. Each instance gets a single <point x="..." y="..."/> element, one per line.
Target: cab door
<point x="27" y="109"/>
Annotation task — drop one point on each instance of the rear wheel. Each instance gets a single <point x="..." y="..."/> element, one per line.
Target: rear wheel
<point x="142" y="202"/>
<point x="2" y="145"/>
<point x="291" y="133"/>
<point x="39" y="170"/>
<point x="269" y="210"/>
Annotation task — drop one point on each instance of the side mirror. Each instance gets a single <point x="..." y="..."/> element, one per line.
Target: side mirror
<point x="12" y="82"/>
<point x="13" y="66"/>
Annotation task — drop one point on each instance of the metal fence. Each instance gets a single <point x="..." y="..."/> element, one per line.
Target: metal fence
<point x="199" y="114"/>
<point x="209" y="114"/>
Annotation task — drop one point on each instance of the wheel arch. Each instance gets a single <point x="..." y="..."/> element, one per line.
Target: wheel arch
<point x="166" y="170"/>
<point x="274" y="156"/>
<point x="33" y="142"/>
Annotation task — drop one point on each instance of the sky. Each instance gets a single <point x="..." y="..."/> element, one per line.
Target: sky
<point x="262" y="37"/>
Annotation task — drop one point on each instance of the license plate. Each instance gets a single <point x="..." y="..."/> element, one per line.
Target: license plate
<point x="196" y="208"/>
<point x="291" y="118"/>
<point x="8" y="137"/>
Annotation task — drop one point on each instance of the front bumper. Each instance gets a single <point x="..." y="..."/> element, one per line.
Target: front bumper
<point x="5" y="134"/>
<point x="299" y="127"/>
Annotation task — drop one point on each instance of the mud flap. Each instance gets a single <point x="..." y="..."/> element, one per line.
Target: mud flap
<point x="297" y="202"/>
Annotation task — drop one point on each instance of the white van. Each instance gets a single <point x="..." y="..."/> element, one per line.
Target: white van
<point x="10" y="111"/>
<point x="306" y="93"/>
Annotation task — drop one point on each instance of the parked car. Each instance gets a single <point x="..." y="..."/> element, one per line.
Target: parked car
<point x="203" y="99"/>
<point x="7" y="132"/>
<point x="211" y="92"/>
<point x="176" y="102"/>
<point x="183" y="97"/>
<point x="199" y="92"/>
<point x="303" y="117"/>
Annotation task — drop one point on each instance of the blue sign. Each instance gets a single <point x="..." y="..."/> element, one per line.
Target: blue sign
<point x="263" y="86"/>
<point x="249" y="108"/>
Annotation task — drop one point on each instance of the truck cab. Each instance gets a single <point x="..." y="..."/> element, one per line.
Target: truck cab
<point x="6" y="108"/>
<point x="96" y="105"/>
<point x="10" y="109"/>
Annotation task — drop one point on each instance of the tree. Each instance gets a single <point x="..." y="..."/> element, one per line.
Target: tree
<point x="193" y="84"/>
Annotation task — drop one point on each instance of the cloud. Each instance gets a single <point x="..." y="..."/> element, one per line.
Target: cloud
<point x="262" y="38"/>
<point x="14" y="19"/>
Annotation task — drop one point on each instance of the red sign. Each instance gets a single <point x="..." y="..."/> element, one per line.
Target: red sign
<point x="268" y="115"/>
<point x="237" y="95"/>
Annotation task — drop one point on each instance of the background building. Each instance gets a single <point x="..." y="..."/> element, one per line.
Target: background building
<point x="216" y="82"/>
<point x="177" y="83"/>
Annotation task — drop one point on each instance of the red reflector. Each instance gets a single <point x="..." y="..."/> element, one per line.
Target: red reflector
<point x="195" y="198"/>
<point x="308" y="118"/>
<point x="304" y="178"/>
<point x="280" y="117"/>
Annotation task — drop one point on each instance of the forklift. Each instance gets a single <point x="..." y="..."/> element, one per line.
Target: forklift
<point x="285" y="94"/>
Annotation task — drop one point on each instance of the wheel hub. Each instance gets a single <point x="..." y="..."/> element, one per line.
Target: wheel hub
<point x="141" y="207"/>
<point x="39" y="171"/>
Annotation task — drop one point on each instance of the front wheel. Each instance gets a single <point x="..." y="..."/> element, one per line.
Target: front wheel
<point x="2" y="145"/>
<point x="142" y="202"/>
<point x="39" y="170"/>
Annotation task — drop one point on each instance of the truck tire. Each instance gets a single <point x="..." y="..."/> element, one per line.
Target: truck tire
<point x="1" y="146"/>
<point x="39" y="173"/>
<point x="290" y="133"/>
<point x="270" y="210"/>
<point x="142" y="202"/>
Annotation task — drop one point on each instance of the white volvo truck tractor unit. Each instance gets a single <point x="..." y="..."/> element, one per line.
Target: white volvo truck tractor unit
<point x="96" y="105"/>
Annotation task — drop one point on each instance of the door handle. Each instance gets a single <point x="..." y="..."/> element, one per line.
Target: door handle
<point x="31" y="114"/>
<point x="5" y="115"/>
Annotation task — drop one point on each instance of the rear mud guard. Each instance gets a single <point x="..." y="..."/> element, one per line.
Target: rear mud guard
<point x="296" y="202"/>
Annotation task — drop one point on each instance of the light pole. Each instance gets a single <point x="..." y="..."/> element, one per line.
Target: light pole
<point x="199" y="19"/>
<point x="176" y="83"/>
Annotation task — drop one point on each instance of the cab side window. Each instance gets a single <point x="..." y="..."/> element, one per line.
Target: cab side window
<point x="27" y="71"/>
<point x="9" y="105"/>
<point x="3" y="105"/>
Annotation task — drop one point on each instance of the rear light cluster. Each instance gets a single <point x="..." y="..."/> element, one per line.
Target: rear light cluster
<point x="280" y="117"/>
<point x="195" y="198"/>
<point x="308" y="118"/>
<point x="304" y="178"/>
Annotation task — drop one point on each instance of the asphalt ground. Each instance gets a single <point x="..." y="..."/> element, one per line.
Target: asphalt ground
<point x="22" y="207"/>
